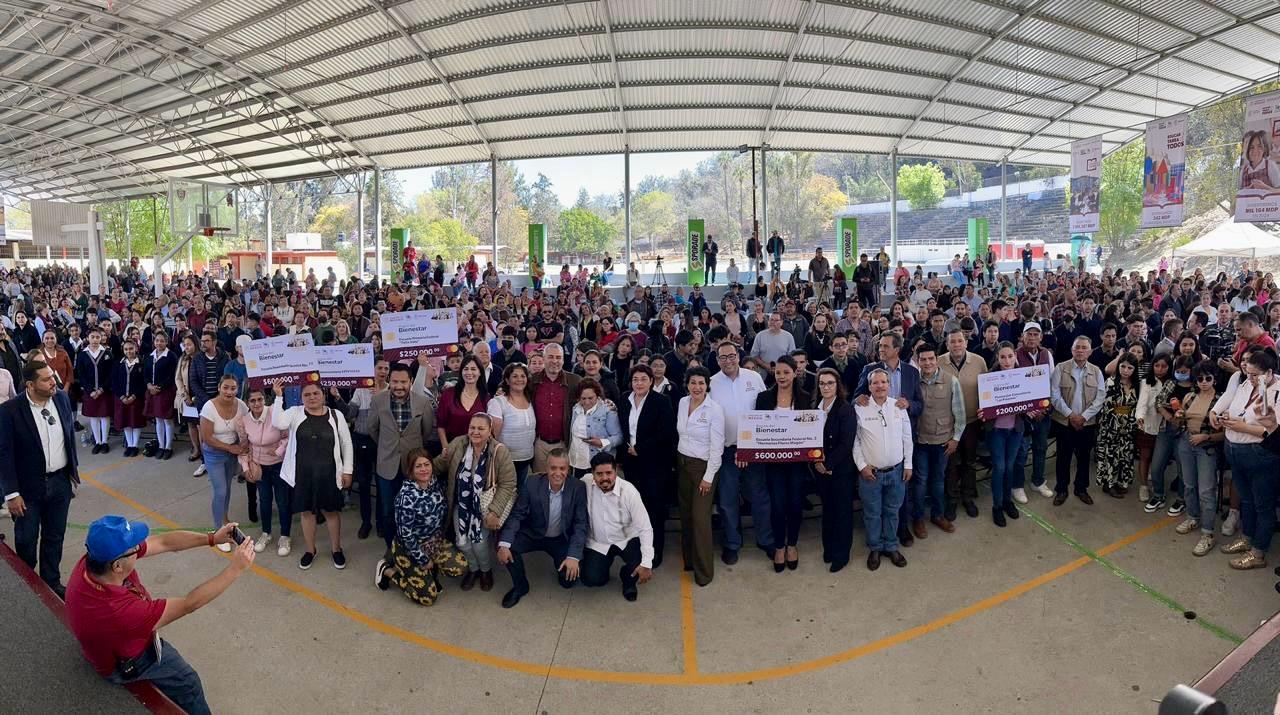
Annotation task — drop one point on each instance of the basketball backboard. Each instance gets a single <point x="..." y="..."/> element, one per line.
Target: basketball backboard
<point x="199" y="207"/>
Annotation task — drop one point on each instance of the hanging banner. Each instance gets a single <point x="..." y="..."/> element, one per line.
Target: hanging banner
<point x="537" y="252"/>
<point x="419" y="332"/>
<point x="693" y="244"/>
<point x="847" y="244"/>
<point x="1163" y="171"/>
<point x="349" y="365"/>
<point x="287" y="360"/>
<point x="1258" y="187"/>
<point x="979" y="237"/>
<point x="1086" y="185"/>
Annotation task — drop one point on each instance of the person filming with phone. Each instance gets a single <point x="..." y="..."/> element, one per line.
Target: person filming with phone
<point x="116" y="619"/>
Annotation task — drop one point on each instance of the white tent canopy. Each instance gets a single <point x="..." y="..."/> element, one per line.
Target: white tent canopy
<point x="1230" y="239"/>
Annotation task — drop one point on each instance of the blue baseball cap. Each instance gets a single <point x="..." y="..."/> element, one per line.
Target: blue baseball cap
<point x="111" y="537"/>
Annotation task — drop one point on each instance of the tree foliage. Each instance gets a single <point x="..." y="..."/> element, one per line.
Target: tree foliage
<point x="922" y="185"/>
<point x="584" y="233"/>
<point x="1121" y="194"/>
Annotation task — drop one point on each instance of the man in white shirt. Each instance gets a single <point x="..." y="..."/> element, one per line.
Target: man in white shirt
<point x="882" y="454"/>
<point x="735" y="390"/>
<point x="617" y="526"/>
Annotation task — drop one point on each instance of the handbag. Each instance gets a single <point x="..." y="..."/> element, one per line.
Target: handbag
<point x="490" y="491"/>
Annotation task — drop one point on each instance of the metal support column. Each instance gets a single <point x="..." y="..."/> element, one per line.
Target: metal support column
<point x="493" y="205"/>
<point x="128" y="234"/>
<point x="377" y="223"/>
<point x="267" y="200"/>
<point x="764" y="194"/>
<point x="360" y="258"/>
<point x="626" y="206"/>
<point x="1004" y="218"/>
<point x="97" y="257"/>
<point x="191" y="258"/>
<point x="893" y="208"/>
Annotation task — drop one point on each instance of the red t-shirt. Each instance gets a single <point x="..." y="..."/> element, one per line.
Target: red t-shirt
<point x="1264" y="340"/>
<point x="111" y="622"/>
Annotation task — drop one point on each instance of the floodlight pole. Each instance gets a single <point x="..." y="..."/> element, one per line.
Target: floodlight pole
<point x="360" y="226"/>
<point x="267" y="201"/>
<point x="893" y="207"/>
<point x="377" y="223"/>
<point x="626" y="205"/>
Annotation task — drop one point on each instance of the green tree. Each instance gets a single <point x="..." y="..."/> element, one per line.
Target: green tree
<point x="653" y="215"/>
<point x="334" y="220"/>
<point x="922" y="185"/>
<point x="448" y="238"/>
<point x="1121" y="194"/>
<point x="584" y="232"/>
<point x="544" y="206"/>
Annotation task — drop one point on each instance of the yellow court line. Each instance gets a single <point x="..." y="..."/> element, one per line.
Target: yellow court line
<point x="688" y="630"/>
<point x="691" y="676"/>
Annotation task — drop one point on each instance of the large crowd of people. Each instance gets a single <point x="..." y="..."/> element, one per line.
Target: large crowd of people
<point x="575" y="421"/>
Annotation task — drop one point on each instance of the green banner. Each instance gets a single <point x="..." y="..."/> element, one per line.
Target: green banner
<point x="537" y="251"/>
<point x="979" y="234"/>
<point x="399" y="239"/>
<point x="697" y="235"/>
<point x="847" y="244"/>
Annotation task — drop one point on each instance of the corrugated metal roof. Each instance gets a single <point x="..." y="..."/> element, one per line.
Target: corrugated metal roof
<point x="269" y="89"/>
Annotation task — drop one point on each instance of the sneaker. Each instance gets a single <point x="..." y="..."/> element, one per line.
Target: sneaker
<point x="260" y="543"/>
<point x="379" y="578"/>
<point x="1232" y="523"/>
<point x="1239" y="546"/>
<point x="1045" y="490"/>
<point x="200" y="471"/>
<point x="284" y="546"/>
<point x="305" y="562"/>
<point x="1204" y="545"/>
<point x="339" y="560"/>
<point x="1177" y="507"/>
<point x="1020" y="495"/>
<point x="1144" y="493"/>
<point x="1153" y="504"/>
<point x="224" y="548"/>
<point x="1187" y="526"/>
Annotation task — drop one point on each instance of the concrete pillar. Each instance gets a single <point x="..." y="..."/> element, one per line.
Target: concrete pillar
<point x="377" y="222"/>
<point x="267" y="200"/>
<point x="1004" y="190"/>
<point x="97" y="256"/>
<point x="764" y="196"/>
<point x="626" y="208"/>
<point x="360" y="266"/>
<point x="893" y="210"/>
<point x="128" y="234"/>
<point x="493" y="205"/>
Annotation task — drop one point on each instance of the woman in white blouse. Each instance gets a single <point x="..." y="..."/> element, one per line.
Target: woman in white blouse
<point x="514" y="421"/>
<point x="700" y="424"/>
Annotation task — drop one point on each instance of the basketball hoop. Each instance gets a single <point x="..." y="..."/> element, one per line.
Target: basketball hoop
<point x="210" y="231"/>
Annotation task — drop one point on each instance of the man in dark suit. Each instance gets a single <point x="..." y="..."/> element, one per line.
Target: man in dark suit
<point x="550" y="515"/>
<point x="38" y="471"/>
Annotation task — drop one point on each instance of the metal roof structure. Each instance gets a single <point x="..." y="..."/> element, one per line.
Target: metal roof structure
<point x="104" y="101"/>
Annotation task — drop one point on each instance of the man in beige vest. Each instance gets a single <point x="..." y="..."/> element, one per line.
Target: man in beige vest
<point x="938" y="432"/>
<point x="1077" y="391"/>
<point x="962" y="481"/>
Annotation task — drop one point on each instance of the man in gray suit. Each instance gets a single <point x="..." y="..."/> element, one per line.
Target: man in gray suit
<point x="550" y="515"/>
<point x="400" y="420"/>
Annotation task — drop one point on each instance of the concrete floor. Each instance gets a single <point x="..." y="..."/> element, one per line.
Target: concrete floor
<point x="983" y="620"/>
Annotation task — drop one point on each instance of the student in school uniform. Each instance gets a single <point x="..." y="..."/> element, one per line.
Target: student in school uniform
<point x="93" y="372"/>
<point x="160" y="369"/>
<point x="129" y="392"/>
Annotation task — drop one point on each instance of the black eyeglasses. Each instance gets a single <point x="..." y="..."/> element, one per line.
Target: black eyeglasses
<point x="48" y="417"/>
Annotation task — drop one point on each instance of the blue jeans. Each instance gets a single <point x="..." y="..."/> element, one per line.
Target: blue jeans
<point x="929" y="480"/>
<point x="757" y="489"/>
<point x="728" y="495"/>
<point x="1004" y="445"/>
<point x="1199" y="468"/>
<point x="1165" y="451"/>
<point x="173" y="677"/>
<point x="269" y="487"/>
<point x="881" y="500"/>
<point x="1035" y="439"/>
<point x="1253" y="470"/>
<point x="222" y="466"/>
<point x="387" y="491"/>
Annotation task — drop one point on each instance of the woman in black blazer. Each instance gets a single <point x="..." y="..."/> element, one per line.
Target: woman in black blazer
<point x="837" y="478"/>
<point x="649" y="453"/>
<point x="786" y="479"/>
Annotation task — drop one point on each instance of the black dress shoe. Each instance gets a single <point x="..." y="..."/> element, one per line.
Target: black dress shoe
<point x="905" y="538"/>
<point x="970" y="508"/>
<point x="896" y="558"/>
<point x="1011" y="510"/>
<point x="873" y="560"/>
<point x="997" y="517"/>
<point x="363" y="533"/>
<point x="469" y="580"/>
<point x="512" y="598"/>
<point x="97" y="449"/>
<point x="631" y="594"/>
<point x="793" y="565"/>
<point x="729" y="556"/>
<point x="837" y="565"/>
<point x="106" y="448"/>
<point x="950" y="512"/>
<point x="779" y="568"/>
<point x="1084" y="497"/>
<point x="1059" y="499"/>
<point x="60" y="591"/>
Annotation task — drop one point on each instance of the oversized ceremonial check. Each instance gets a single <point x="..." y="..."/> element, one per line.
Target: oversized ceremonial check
<point x="780" y="436"/>
<point x="287" y="360"/>
<point x="1012" y="392"/>
<point x="345" y="365"/>
<point x="419" y="332"/>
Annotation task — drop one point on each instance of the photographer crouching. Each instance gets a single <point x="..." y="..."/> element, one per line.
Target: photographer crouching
<point x="116" y="620"/>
